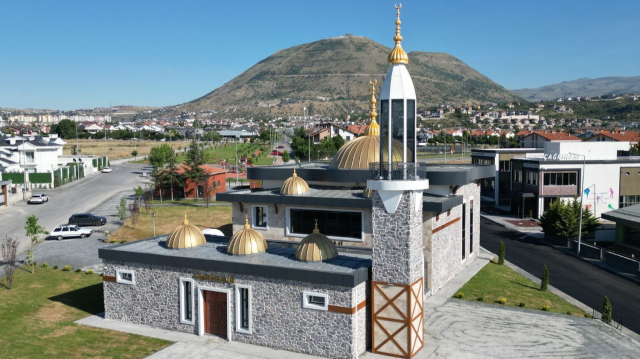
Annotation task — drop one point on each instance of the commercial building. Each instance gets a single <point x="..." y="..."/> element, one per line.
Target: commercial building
<point x="354" y="247"/>
<point x="595" y="171"/>
<point x="627" y="221"/>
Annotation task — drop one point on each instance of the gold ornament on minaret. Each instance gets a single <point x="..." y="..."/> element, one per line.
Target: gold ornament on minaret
<point x="397" y="55"/>
<point x="373" y="129"/>
<point x="185" y="236"/>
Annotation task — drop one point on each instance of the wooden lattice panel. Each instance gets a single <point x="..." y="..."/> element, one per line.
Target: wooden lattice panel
<point x="397" y="319"/>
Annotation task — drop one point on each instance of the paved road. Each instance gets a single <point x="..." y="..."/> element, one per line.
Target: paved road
<point x="583" y="281"/>
<point x="81" y="196"/>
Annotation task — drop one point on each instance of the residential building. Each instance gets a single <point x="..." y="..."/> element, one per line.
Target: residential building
<point x="537" y="139"/>
<point x="29" y="153"/>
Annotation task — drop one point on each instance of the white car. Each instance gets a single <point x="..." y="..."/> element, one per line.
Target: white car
<point x="106" y="170"/>
<point x="68" y="230"/>
<point x="38" y="198"/>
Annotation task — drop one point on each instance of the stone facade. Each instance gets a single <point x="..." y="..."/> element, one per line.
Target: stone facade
<point x="277" y="222"/>
<point x="443" y="250"/>
<point x="278" y="319"/>
<point x="397" y="240"/>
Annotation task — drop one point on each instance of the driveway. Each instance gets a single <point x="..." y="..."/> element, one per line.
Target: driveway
<point x="575" y="277"/>
<point x="80" y="196"/>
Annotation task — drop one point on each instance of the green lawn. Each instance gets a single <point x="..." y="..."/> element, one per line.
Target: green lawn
<point x="227" y="152"/>
<point x="499" y="281"/>
<point x="37" y="315"/>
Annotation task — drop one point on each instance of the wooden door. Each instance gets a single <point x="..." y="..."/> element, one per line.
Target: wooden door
<point x="215" y="313"/>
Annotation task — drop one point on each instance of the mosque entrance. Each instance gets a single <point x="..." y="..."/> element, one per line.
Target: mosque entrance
<point x="215" y="313"/>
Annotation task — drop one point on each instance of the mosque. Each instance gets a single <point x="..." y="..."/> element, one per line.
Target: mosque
<point x="324" y="260"/>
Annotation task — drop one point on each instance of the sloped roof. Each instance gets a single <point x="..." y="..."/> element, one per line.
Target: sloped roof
<point x="555" y="136"/>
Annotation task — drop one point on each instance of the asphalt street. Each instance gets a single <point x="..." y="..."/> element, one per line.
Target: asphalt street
<point x="575" y="277"/>
<point x="76" y="197"/>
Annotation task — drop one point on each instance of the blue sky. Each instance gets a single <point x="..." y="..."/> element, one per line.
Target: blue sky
<point x="78" y="54"/>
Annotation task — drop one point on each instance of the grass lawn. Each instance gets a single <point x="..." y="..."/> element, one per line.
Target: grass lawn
<point x="170" y="217"/>
<point x="499" y="281"/>
<point x="37" y="315"/>
<point x="214" y="155"/>
<point x="116" y="148"/>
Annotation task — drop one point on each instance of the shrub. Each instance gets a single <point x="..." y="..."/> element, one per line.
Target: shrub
<point x="501" y="253"/>
<point x="522" y="305"/>
<point x="55" y="267"/>
<point x="90" y="271"/>
<point x="78" y="270"/>
<point x="569" y="313"/>
<point x="606" y="310"/>
<point x="66" y="268"/>
<point x="460" y="295"/>
<point x="587" y="315"/>
<point x="123" y="241"/>
<point x="480" y="299"/>
<point x="502" y="300"/>
<point x="544" y="283"/>
<point x="546" y="308"/>
<point x="44" y="265"/>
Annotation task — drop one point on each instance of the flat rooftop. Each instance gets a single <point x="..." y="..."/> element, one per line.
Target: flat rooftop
<point x="348" y="269"/>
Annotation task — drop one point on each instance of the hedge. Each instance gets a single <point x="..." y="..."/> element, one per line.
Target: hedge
<point x="40" y="177"/>
<point x="65" y="172"/>
<point x="95" y="163"/>
<point x="14" y="177"/>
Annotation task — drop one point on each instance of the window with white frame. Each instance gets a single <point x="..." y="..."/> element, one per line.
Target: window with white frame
<point x="317" y="301"/>
<point x="260" y="217"/>
<point x="186" y="301"/>
<point x="125" y="276"/>
<point x="243" y="309"/>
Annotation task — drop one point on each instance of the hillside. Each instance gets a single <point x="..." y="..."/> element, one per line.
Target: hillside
<point x="583" y="87"/>
<point x="331" y="77"/>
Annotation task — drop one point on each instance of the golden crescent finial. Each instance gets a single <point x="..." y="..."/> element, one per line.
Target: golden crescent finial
<point x="398" y="55"/>
<point x="373" y="83"/>
<point x="316" y="230"/>
<point x="246" y="222"/>
<point x="294" y="173"/>
<point x="186" y="221"/>
<point x="398" y="7"/>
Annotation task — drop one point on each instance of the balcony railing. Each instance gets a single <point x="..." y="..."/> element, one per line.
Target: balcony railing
<point x="398" y="171"/>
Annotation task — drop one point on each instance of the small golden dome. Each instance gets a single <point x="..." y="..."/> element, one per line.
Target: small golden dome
<point x="185" y="236"/>
<point x="294" y="185"/>
<point x="316" y="247"/>
<point x="246" y="241"/>
<point x="397" y="55"/>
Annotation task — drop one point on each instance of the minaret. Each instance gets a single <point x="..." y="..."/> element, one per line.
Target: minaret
<point x="397" y="260"/>
<point x="398" y="101"/>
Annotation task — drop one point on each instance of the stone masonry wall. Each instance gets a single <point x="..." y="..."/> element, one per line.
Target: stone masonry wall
<point x="397" y="241"/>
<point x="446" y="245"/>
<point x="278" y="319"/>
<point x="277" y="222"/>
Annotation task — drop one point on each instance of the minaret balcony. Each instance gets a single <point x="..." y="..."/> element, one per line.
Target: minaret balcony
<point x="398" y="171"/>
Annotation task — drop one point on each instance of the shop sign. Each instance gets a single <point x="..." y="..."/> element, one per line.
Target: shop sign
<point x="214" y="278"/>
<point x="561" y="157"/>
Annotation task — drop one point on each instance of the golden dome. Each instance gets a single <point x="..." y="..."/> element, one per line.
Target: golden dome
<point x="185" y="236"/>
<point x="246" y="241"/>
<point x="294" y="185"/>
<point x="316" y="247"/>
<point x="397" y="55"/>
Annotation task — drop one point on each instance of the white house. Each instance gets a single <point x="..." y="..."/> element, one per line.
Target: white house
<point x="31" y="154"/>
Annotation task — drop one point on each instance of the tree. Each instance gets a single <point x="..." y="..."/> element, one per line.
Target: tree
<point x="134" y="153"/>
<point x="65" y="129"/>
<point x="122" y="212"/>
<point x="563" y="220"/>
<point x="33" y="230"/>
<point x="606" y="310"/>
<point x="172" y="176"/>
<point x="159" y="155"/>
<point x="544" y="283"/>
<point x="193" y="171"/>
<point x="134" y="210"/>
<point x="501" y="253"/>
<point x="285" y="157"/>
<point x="208" y="189"/>
<point x="9" y="252"/>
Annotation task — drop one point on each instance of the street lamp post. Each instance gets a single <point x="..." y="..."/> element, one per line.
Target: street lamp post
<point x="584" y="160"/>
<point x="153" y="218"/>
<point x="237" y="163"/>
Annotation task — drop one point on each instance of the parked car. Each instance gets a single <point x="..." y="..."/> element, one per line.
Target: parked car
<point x="38" y="198"/>
<point x="106" y="170"/>
<point x="87" y="219"/>
<point x="280" y="146"/>
<point x="67" y="231"/>
<point x="274" y="152"/>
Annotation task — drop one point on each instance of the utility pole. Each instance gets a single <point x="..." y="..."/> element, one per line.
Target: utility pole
<point x="584" y="161"/>
<point x="237" y="163"/>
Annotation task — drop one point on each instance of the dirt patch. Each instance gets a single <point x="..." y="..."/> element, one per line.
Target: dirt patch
<point x="36" y="286"/>
<point x="54" y="313"/>
<point x="62" y="331"/>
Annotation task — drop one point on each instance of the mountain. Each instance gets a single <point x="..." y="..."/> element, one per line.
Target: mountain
<point x="583" y="87"/>
<point x="331" y="77"/>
